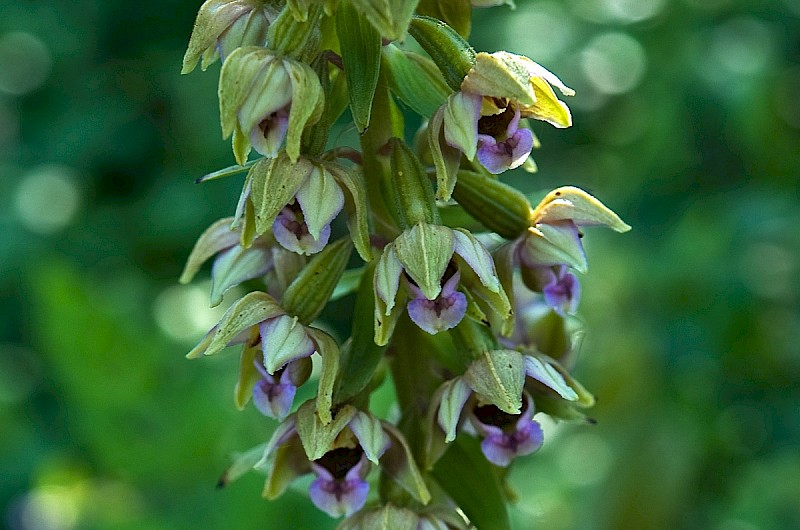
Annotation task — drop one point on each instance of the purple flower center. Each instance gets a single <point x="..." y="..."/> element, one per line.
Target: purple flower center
<point x="291" y="231"/>
<point x="339" y="488"/>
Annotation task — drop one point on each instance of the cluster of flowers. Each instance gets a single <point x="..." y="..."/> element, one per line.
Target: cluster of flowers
<point x="474" y="329"/>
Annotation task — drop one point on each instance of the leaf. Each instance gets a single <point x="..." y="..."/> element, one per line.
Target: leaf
<point x="348" y="283"/>
<point x="361" y="54"/>
<point x="469" y="479"/>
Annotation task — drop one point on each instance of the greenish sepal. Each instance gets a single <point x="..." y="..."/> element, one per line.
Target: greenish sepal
<point x="322" y="191"/>
<point x="446" y="158"/>
<point x="236" y="80"/>
<point x="553" y="338"/>
<point x="413" y="194"/>
<point x="288" y="462"/>
<point x="248" y="376"/>
<point x="293" y="36"/>
<point x="471" y="481"/>
<point x="307" y="295"/>
<point x="498" y="206"/>
<point x="415" y="80"/>
<point x="225" y="172"/>
<point x="250" y="310"/>
<point x="451" y="53"/>
<point x="329" y="352"/>
<point x="233" y="266"/>
<point x="460" y="116"/>
<point x="390" y="18"/>
<point x="455" y="13"/>
<point x="549" y="376"/>
<point x="317" y="436"/>
<point x="308" y="104"/>
<point x="492" y="301"/>
<point x="274" y="184"/>
<point x="498" y="376"/>
<point x="505" y="261"/>
<point x="242" y="463"/>
<point x="362" y="356"/>
<point x="386" y="517"/>
<point x="399" y="464"/>
<point x="454" y="395"/>
<point x="287" y="337"/>
<point x="371" y="436"/>
<point x="356" y="205"/>
<point x="556" y="407"/>
<point x="425" y="251"/>
<point x="360" y="47"/>
<point x="585" y="399"/>
<point x="546" y="244"/>
<point x="215" y="238"/>
<point x="573" y="204"/>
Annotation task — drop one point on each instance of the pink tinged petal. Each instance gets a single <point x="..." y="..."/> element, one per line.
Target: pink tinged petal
<point x="321" y="199"/>
<point x="337" y="495"/>
<point x="283" y="339"/>
<point x="563" y="292"/>
<point x="292" y="234"/>
<point x="455" y="394"/>
<point x="371" y="437"/>
<point x="235" y="266"/>
<point x="551" y="244"/>
<point x="478" y="259"/>
<point x="283" y="433"/>
<point x="443" y="313"/>
<point x="549" y="376"/>
<point x="273" y="400"/>
<point x="268" y="134"/>
<point x="270" y="92"/>
<point x="511" y="153"/>
<point x="461" y="114"/>
<point x="501" y="448"/>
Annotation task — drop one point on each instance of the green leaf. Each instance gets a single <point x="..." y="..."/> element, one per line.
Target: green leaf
<point x="363" y="355"/>
<point x="307" y="295"/>
<point x="242" y="463"/>
<point x="348" y="283"/>
<point x="469" y="479"/>
<point x="415" y="80"/>
<point x="361" y="54"/>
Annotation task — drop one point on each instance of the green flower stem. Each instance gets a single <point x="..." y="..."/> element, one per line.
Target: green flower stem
<point x="382" y="126"/>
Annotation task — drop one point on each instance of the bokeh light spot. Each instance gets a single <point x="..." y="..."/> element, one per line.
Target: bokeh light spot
<point x="614" y="63"/>
<point x="183" y="313"/>
<point x="634" y="10"/>
<point x="547" y="28"/>
<point x="47" y="199"/>
<point x="24" y="63"/>
<point x="742" y="45"/>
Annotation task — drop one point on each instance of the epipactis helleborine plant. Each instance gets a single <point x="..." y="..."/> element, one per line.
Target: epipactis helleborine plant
<point x="474" y="330"/>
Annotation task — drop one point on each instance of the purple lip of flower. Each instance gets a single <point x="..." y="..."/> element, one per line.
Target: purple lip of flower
<point x="291" y="231"/>
<point x="268" y="135"/>
<point x="563" y="291"/>
<point x="340" y="488"/>
<point x="507" y="436"/>
<point x="441" y="314"/>
<point x="273" y="394"/>
<point x="501" y="148"/>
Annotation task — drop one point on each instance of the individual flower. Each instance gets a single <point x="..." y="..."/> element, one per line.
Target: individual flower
<point x="265" y="99"/>
<point x="234" y="264"/>
<point x="483" y="118"/>
<point x="296" y="201"/>
<point x="496" y="390"/>
<point x="273" y="394"/>
<point x="551" y="246"/>
<point x="340" y="455"/>
<point x="426" y="265"/>
<point x="224" y="25"/>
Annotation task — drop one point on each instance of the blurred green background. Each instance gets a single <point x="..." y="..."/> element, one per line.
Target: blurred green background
<point x="687" y="123"/>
